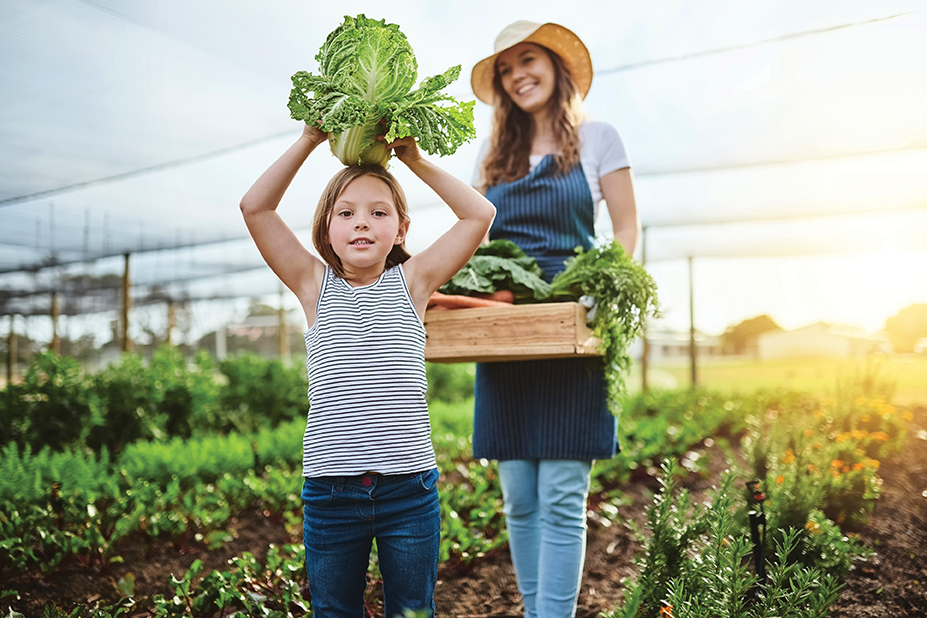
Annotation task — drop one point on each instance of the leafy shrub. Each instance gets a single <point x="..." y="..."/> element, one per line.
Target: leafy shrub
<point x="696" y="564"/>
<point x="261" y="391"/>
<point x="49" y="408"/>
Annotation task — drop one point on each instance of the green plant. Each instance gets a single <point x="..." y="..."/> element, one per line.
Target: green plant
<point x="364" y="90"/>
<point x="695" y="565"/>
<point x="450" y="382"/>
<point x="260" y="391"/>
<point x="49" y="408"/>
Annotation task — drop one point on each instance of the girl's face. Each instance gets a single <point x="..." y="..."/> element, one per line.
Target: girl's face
<point x="365" y="225"/>
<point x="527" y="76"/>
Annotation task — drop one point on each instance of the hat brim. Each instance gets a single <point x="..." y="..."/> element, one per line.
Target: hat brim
<point x="554" y="37"/>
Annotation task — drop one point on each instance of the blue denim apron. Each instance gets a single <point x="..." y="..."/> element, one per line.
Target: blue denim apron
<point x="544" y="409"/>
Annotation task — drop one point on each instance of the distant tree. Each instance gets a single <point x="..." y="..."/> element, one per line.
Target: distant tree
<point x="737" y="338"/>
<point x="907" y="327"/>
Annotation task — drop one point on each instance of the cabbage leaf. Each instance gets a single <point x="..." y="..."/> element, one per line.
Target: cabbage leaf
<point x="367" y="71"/>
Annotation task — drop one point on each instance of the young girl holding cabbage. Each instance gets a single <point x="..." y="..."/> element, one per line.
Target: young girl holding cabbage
<point x="368" y="461"/>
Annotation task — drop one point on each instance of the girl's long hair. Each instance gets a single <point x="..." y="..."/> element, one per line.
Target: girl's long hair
<point x="513" y="129"/>
<point x="323" y="214"/>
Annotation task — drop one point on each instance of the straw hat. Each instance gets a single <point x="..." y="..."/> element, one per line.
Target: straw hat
<point x="552" y="36"/>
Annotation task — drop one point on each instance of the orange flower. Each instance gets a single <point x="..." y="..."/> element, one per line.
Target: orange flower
<point x="837" y="463"/>
<point x="907" y="416"/>
<point x="879" y="436"/>
<point x="865" y="418"/>
<point x="809" y="433"/>
<point x="859" y="466"/>
<point x="846" y="469"/>
<point x="836" y="474"/>
<point x="789" y="457"/>
<point x="666" y="611"/>
<point x="780" y="479"/>
<point x="873" y="463"/>
<point x="812" y="468"/>
<point x="859" y="434"/>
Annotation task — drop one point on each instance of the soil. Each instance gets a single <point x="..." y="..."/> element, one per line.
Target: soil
<point x="892" y="583"/>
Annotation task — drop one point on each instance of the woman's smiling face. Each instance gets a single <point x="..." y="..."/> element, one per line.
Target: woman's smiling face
<point x="527" y="76"/>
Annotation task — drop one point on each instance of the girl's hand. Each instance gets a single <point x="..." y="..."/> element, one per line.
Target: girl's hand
<point x="406" y="150"/>
<point x="314" y="134"/>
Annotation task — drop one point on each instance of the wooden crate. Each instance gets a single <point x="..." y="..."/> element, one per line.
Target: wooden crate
<point x="519" y="332"/>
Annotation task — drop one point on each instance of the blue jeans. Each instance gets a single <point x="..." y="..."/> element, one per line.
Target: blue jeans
<point x="545" y="514"/>
<point x="342" y="516"/>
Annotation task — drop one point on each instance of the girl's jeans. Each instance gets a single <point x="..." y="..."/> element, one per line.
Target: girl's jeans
<point x="545" y="513"/>
<point x="342" y="516"/>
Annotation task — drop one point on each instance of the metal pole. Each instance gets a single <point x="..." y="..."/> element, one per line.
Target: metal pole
<point x="692" y="354"/>
<point x="126" y="300"/>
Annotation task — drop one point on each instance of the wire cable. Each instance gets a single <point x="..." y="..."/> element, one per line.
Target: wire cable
<point x="721" y="50"/>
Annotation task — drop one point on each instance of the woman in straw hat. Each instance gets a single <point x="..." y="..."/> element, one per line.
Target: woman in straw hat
<point x="546" y="168"/>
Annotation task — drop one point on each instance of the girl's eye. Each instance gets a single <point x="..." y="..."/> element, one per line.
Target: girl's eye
<point x="504" y="71"/>
<point x="379" y="213"/>
<point x="344" y="213"/>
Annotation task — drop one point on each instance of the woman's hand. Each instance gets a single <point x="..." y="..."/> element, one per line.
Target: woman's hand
<point x="314" y="134"/>
<point x="406" y="150"/>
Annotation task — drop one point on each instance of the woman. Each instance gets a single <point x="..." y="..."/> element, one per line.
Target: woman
<point x="546" y="168"/>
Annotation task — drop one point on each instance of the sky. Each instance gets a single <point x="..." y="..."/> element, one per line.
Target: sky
<point x="781" y="145"/>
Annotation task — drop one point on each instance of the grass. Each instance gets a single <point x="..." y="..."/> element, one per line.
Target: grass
<point x="907" y="374"/>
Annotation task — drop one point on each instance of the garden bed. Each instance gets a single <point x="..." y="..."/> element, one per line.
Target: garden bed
<point x="892" y="583"/>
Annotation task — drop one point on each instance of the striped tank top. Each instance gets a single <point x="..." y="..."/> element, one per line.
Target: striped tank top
<point x="366" y="366"/>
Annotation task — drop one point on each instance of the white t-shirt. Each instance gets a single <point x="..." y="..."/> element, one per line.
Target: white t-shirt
<point x="601" y="151"/>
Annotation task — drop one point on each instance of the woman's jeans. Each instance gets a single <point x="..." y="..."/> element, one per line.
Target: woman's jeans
<point x="342" y="516"/>
<point x="545" y="513"/>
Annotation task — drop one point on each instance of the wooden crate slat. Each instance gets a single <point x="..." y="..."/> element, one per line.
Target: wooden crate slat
<point x="519" y="332"/>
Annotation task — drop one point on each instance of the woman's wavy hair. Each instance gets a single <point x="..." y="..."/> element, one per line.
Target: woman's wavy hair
<point x="513" y="130"/>
<point x="323" y="214"/>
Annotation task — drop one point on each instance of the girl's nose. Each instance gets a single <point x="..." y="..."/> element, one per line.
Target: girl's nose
<point x="361" y="224"/>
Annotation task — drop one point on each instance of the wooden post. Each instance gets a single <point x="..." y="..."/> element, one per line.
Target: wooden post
<point x="126" y="300"/>
<point x="645" y="345"/>
<point x="283" y="344"/>
<point x="171" y="321"/>
<point x="692" y="353"/>
<point x="55" y="314"/>
<point x="13" y="349"/>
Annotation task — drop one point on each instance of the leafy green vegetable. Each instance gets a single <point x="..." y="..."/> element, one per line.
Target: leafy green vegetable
<point x="367" y="71"/>
<point x="625" y="296"/>
<point x="622" y="291"/>
<point x="500" y="265"/>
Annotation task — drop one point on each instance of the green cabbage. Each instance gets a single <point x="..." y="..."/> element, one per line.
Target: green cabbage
<point x="364" y="89"/>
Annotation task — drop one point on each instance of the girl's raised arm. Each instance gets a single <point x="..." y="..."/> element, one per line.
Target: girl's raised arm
<point x="296" y="267"/>
<point x="430" y="269"/>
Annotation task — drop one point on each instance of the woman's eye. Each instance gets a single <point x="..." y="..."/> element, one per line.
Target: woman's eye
<point x="504" y="72"/>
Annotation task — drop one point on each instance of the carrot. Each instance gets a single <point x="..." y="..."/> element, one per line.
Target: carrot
<point x="455" y="301"/>
<point x="504" y="296"/>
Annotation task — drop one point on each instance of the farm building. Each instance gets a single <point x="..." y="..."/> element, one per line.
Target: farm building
<point x="819" y="339"/>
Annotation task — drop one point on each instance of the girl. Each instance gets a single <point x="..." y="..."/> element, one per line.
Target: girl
<point x="368" y="461"/>
<point x="546" y="168"/>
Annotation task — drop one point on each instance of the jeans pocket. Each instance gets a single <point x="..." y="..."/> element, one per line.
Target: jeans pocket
<point x="429" y="479"/>
<point x="317" y="494"/>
